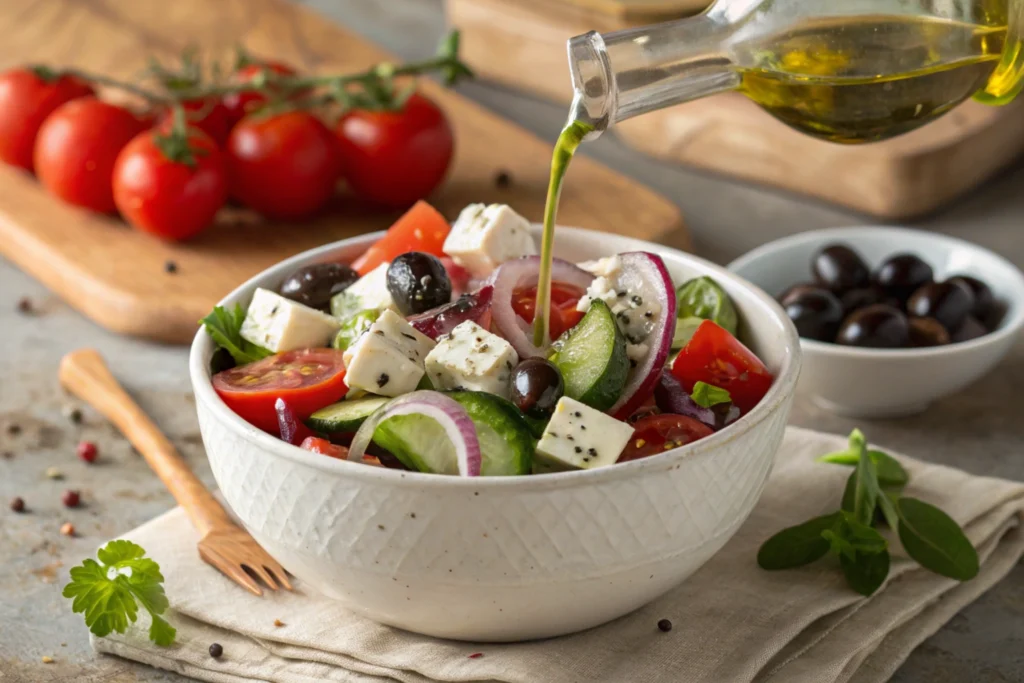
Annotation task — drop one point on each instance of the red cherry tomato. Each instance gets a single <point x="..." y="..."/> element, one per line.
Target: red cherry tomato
<point x="459" y="276"/>
<point x="168" y="198"/>
<point x="421" y="228"/>
<point x="76" y="149"/>
<point x="564" y="298"/>
<point x="396" y="157"/>
<point x="26" y="99"/>
<point x="307" y="380"/>
<point x="324" y="447"/>
<point x="239" y="104"/>
<point x="716" y="357"/>
<point x="659" y="433"/>
<point x="209" y="116"/>
<point x="285" y="166"/>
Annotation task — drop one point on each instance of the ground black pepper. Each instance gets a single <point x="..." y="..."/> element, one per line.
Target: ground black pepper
<point x="216" y="650"/>
<point x="665" y="625"/>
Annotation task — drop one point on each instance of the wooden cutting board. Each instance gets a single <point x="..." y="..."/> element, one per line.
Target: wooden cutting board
<point x="522" y="43"/>
<point x="116" y="276"/>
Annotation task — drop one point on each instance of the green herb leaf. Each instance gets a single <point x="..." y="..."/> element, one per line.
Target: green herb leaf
<point x="224" y="327"/>
<point x="935" y="541"/>
<point x="839" y="544"/>
<point x="863" y="538"/>
<point x="707" y="395"/>
<point x="866" y="572"/>
<point x="890" y="471"/>
<point x="109" y="594"/>
<point x="866" y="489"/>
<point x="798" y="545"/>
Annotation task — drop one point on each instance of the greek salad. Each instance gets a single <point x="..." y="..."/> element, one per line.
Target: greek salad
<point x="419" y="354"/>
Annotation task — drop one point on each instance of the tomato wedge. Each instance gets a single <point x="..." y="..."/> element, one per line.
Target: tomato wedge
<point x="307" y="380"/>
<point x="421" y="228"/>
<point x="324" y="447"/>
<point x="716" y="357"/>
<point x="659" y="433"/>
<point x="564" y="298"/>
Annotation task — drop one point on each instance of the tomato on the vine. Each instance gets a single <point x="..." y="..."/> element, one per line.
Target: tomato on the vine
<point x="208" y="115"/>
<point x="238" y="104"/>
<point x="564" y="298"/>
<point x="396" y="157"/>
<point x="170" y="187"/>
<point x="284" y="166"/>
<point x="659" y="433"/>
<point x="76" y="148"/>
<point x="27" y="97"/>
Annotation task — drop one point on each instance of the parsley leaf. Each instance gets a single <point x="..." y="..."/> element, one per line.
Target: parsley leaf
<point x="108" y="593"/>
<point x="224" y="326"/>
<point x="707" y="395"/>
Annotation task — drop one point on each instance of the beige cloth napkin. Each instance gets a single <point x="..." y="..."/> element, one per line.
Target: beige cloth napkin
<point x="732" y="621"/>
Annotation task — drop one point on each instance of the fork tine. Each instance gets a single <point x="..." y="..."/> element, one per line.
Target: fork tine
<point x="230" y="569"/>
<point x="263" y="574"/>
<point x="279" y="573"/>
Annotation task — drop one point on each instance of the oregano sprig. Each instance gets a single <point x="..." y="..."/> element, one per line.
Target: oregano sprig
<point x="873" y="494"/>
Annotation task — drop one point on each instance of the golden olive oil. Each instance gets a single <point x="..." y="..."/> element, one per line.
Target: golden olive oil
<point x="864" y="79"/>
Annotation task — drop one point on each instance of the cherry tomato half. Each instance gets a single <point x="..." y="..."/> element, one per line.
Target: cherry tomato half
<point x="564" y="298"/>
<point x="170" y="199"/>
<point x="285" y="166"/>
<point x="76" y="149"/>
<point x="659" y="433"/>
<point x="209" y="116"/>
<point x="307" y="379"/>
<point x="396" y="157"/>
<point x="716" y="357"/>
<point x="238" y="104"/>
<point x="421" y="228"/>
<point x="26" y="99"/>
<point x="324" y="447"/>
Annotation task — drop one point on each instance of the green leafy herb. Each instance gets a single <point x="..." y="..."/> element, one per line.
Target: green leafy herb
<point x="110" y="591"/>
<point x="702" y="297"/>
<point x="354" y="327"/>
<point x="708" y="395"/>
<point x="873" y="494"/>
<point x="224" y="326"/>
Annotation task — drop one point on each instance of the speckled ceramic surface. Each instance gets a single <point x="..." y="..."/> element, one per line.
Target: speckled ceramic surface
<point x="503" y="558"/>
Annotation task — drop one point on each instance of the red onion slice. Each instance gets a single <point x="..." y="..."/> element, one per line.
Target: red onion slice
<point x="445" y="411"/>
<point x="672" y="398"/>
<point x="525" y="272"/>
<point x="645" y="274"/>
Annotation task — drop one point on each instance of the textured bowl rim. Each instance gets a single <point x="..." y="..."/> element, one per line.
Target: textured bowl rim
<point x="1011" y="324"/>
<point x="781" y="390"/>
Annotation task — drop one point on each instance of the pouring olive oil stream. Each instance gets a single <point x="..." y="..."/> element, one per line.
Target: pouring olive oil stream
<point x="839" y="71"/>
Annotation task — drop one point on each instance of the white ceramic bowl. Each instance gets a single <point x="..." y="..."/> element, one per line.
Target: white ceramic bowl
<point x="872" y="383"/>
<point x="502" y="559"/>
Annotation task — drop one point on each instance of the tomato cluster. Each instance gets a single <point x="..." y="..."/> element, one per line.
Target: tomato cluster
<point x="170" y="179"/>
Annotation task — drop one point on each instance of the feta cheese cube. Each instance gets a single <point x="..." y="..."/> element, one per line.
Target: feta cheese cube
<point x="634" y="315"/>
<point x="580" y="437"/>
<point x="473" y="359"/>
<point x="388" y="358"/>
<point x="483" y="237"/>
<point x="370" y="292"/>
<point x="279" y="324"/>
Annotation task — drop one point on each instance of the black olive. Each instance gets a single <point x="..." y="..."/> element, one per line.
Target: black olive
<point x="795" y="292"/>
<point x="948" y="302"/>
<point x="901" y="275"/>
<point x="816" y="314"/>
<point x="418" y="282"/>
<point x="880" y="327"/>
<point x="315" y="285"/>
<point x="839" y="268"/>
<point x="536" y="387"/>
<point x="970" y="329"/>
<point x="927" y="332"/>
<point x="861" y="297"/>
<point x="984" y="300"/>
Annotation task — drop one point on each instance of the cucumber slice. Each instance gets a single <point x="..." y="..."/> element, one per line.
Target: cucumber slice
<point x="506" y="442"/>
<point x="685" y="327"/>
<point x="419" y="442"/>
<point x="593" y="360"/>
<point x="345" y="416"/>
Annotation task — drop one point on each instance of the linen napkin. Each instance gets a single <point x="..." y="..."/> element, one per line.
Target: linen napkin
<point x="732" y="621"/>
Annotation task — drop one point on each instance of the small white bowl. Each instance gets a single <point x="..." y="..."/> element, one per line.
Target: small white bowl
<point x="502" y="558"/>
<point x="877" y="383"/>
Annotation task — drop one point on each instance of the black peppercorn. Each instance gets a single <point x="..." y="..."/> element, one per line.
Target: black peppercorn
<point x="170" y="267"/>
<point x="24" y="305"/>
<point x="665" y="625"/>
<point x="18" y="504"/>
<point x="216" y="650"/>
<point x="502" y="179"/>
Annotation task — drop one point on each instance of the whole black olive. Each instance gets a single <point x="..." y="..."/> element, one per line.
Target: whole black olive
<point x="927" y="332"/>
<point x="901" y="275"/>
<point x="948" y="302"/>
<point x="315" y="285"/>
<point x="418" y="282"/>
<point x="984" y="300"/>
<point x="839" y="268"/>
<point x="536" y="387"/>
<point x="861" y="297"/>
<point x="879" y="327"/>
<point x="816" y="314"/>
<point x="796" y="291"/>
<point x="970" y="329"/>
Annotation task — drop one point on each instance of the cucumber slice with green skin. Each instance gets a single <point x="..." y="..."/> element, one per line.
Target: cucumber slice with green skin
<point x="345" y="416"/>
<point x="685" y="327"/>
<point x="506" y="441"/>
<point x="419" y="442"/>
<point x="593" y="360"/>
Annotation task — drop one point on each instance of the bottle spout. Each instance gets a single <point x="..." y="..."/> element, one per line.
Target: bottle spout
<point x="622" y="74"/>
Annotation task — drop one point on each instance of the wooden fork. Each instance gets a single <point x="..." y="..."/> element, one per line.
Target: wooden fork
<point x="224" y="544"/>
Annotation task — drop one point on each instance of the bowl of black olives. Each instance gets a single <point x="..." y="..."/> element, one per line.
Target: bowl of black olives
<point x="890" y="319"/>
